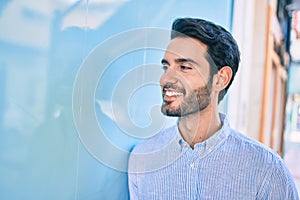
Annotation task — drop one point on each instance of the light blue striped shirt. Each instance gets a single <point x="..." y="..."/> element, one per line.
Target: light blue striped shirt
<point x="228" y="165"/>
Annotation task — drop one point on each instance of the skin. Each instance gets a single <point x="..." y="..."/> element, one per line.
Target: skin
<point x="188" y="90"/>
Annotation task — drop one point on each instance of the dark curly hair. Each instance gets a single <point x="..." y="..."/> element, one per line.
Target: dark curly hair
<point x="222" y="47"/>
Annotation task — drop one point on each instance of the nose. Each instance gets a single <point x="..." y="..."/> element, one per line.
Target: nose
<point x="169" y="76"/>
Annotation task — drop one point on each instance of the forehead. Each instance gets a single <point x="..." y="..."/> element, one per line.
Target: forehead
<point x="186" y="47"/>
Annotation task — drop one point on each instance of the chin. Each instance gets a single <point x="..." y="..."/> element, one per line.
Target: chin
<point x="170" y="112"/>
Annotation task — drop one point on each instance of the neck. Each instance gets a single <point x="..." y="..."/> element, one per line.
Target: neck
<point x="198" y="127"/>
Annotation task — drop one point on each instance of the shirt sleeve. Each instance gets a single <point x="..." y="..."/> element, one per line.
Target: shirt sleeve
<point x="132" y="187"/>
<point x="278" y="185"/>
<point x="132" y="183"/>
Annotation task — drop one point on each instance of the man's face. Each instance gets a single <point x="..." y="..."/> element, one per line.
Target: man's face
<point x="186" y="83"/>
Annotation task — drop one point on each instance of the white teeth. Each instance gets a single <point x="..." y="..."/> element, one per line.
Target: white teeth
<point x="173" y="93"/>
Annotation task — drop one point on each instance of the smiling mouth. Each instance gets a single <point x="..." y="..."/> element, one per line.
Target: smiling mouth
<point x="170" y="95"/>
<point x="171" y="92"/>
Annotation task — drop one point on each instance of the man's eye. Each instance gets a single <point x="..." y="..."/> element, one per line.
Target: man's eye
<point x="185" y="67"/>
<point x="165" y="68"/>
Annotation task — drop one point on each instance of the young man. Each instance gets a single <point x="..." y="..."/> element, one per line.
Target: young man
<point x="201" y="157"/>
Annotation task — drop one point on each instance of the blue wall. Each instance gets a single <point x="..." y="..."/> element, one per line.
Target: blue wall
<point x="50" y="147"/>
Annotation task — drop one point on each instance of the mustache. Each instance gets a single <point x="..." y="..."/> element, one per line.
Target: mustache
<point x="174" y="87"/>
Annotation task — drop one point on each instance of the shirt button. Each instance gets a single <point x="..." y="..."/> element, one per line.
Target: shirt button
<point x="192" y="165"/>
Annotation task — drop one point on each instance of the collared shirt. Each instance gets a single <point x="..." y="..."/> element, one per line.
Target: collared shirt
<point x="228" y="165"/>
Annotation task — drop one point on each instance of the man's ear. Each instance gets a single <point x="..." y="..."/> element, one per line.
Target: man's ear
<point x="224" y="76"/>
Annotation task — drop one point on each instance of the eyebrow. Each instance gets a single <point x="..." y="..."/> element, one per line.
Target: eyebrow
<point x="180" y="60"/>
<point x="164" y="61"/>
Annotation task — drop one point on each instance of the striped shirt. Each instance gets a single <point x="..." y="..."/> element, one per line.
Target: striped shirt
<point x="228" y="165"/>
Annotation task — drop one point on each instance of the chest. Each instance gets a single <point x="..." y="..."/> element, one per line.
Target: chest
<point x="192" y="178"/>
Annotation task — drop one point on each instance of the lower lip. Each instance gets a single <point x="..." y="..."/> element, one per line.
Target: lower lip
<point x="170" y="98"/>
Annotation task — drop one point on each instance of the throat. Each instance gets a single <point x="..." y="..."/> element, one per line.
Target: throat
<point x="198" y="129"/>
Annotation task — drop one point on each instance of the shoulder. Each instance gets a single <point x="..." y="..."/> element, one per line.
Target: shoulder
<point x="242" y="147"/>
<point x="157" y="141"/>
<point x="253" y="150"/>
<point x="275" y="177"/>
<point x="154" y="153"/>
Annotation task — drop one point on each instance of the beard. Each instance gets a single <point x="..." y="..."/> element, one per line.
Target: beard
<point x="195" y="102"/>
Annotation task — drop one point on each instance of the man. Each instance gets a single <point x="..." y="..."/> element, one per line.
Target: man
<point x="201" y="157"/>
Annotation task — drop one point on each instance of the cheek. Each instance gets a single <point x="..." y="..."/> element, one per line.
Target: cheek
<point x="195" y="82"/>
<point x="200" y="77"/>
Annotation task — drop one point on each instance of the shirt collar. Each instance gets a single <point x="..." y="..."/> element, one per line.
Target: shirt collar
<point x="209" y="144"/>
